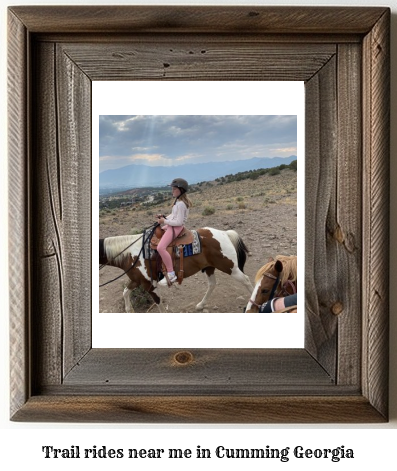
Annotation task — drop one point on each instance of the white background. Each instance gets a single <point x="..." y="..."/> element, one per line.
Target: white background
<point x="374" y="445"/>
<point x="219" y="330"/>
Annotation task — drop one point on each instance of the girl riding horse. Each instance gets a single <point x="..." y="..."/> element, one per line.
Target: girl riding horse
<point x="173" y="225"/>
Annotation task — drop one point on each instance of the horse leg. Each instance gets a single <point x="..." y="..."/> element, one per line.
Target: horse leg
<point x="210" y="272"/>
<point x="238" y="275"/>
<point x="156" y="299"/>
<point x="127" y="296"/>
<point x="149" y="288"/>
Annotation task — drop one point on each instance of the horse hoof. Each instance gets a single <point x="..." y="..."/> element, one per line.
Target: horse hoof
<point x="199" y="307"/>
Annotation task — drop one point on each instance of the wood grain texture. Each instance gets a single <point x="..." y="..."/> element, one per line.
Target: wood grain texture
<point x="341" y="375"/>
<point x="47" y="328"/>
<point x="154" y="370"/>
<point x="333" y="215"/>
<point x="199" y="409"/>
<point x="74" y="143"/>
<point x="376" y="90"/>
<point x="321" y="278"/>
<point x="345" y="229"/>
<point x="205" y="60"/>
<point x="19" y="240"/>
<point x="197" y="19"/>
<point x="62" y="255"/>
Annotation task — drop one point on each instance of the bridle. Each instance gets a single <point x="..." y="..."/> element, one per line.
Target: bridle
<point x="277" y="280"/>
<point x="150" y="234"/>
<point x="114" y="258"/>
<point x="287" y="284"/>
<point x="273" y="293"/>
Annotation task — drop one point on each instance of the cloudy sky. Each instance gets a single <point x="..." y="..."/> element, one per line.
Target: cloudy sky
<point x="176" y="140"/>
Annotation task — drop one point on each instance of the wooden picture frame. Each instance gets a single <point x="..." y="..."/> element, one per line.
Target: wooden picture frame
<point x="342" y="54"/>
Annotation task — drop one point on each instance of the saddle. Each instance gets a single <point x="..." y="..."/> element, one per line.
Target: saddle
<point x="185" y="237"/>
<point x="174" y="248"/>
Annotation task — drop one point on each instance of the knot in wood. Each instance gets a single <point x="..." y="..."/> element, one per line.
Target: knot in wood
<point x="337" y="308"/>
<point x="338" y="235"/>
<point x="183" y="358"/>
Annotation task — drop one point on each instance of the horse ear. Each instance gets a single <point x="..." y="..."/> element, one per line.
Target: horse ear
<point x="270" y="259"/>
<point x="278" y="266"/>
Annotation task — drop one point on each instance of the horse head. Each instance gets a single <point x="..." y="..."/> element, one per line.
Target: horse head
<point x="275" y="279"/>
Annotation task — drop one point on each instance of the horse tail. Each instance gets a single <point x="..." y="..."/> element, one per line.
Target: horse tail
<point x="240" y="247"/>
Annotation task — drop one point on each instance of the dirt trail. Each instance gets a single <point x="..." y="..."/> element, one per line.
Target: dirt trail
<point x="262" y="211"/>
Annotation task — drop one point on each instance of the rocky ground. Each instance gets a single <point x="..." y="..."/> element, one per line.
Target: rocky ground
<point x="262" y="211"/>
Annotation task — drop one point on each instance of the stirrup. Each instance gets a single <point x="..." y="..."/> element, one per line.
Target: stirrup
<point x="166" y="281"/>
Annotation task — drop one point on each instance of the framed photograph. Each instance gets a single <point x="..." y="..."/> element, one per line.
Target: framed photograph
<point x="240" y="161"/>
<point x="56" y="54"/>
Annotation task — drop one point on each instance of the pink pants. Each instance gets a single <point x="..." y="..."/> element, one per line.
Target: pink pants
<point x="170" y="233"/>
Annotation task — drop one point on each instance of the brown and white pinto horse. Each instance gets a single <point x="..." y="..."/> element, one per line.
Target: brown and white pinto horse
<point x="222" y="250"/>
<point x="276" y="279"/>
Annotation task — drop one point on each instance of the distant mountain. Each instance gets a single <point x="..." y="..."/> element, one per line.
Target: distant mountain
<point x="136" y="176"/>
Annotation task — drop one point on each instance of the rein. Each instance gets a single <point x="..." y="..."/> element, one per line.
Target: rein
<point x="274" y="286"/>
<point x="255" y="304"/>
<point x="114" y="258"/>
<point x="153" y="226"/>
<point x="291" y="284"/>
<point x="283" y="289"/>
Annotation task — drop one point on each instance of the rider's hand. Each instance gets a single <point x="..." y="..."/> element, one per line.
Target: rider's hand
<point x="274" y="305"/>
<point x="266" y="307"/>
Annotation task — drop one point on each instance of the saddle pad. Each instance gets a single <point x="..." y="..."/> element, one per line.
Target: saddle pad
<point x="189" y="249"/>
<point x="146" y="250"/>
<point x="192" y="249"/>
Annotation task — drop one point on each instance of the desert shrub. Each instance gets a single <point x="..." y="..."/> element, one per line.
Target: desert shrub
<point x="208" y="210"/>
<point x="274" y="171"/>
<point x="242" y="206"/>
<point x="141" y="299"/>
<point x="239" y="198"/>
<point x="229" y="206"/>
<point x="268" y="200"/>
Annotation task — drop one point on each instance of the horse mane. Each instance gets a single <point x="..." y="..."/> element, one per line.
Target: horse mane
<point x="115" y="245"/>
<point x="290" y="271"/>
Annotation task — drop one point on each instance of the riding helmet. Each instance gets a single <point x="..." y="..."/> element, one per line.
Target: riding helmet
<point x="180" y="183"/>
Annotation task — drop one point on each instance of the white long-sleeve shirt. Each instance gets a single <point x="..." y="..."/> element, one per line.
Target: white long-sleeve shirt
<point x="179" y="214"/>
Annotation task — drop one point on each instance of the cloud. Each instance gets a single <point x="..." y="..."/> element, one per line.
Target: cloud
<point x="285" y="150"/>
<point x="158" y="158"/>
<point x="171" y="140"/>
<point x="186" y="158"/>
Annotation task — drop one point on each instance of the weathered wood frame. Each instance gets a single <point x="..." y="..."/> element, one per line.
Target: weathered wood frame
<point x="342" y="54"/>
